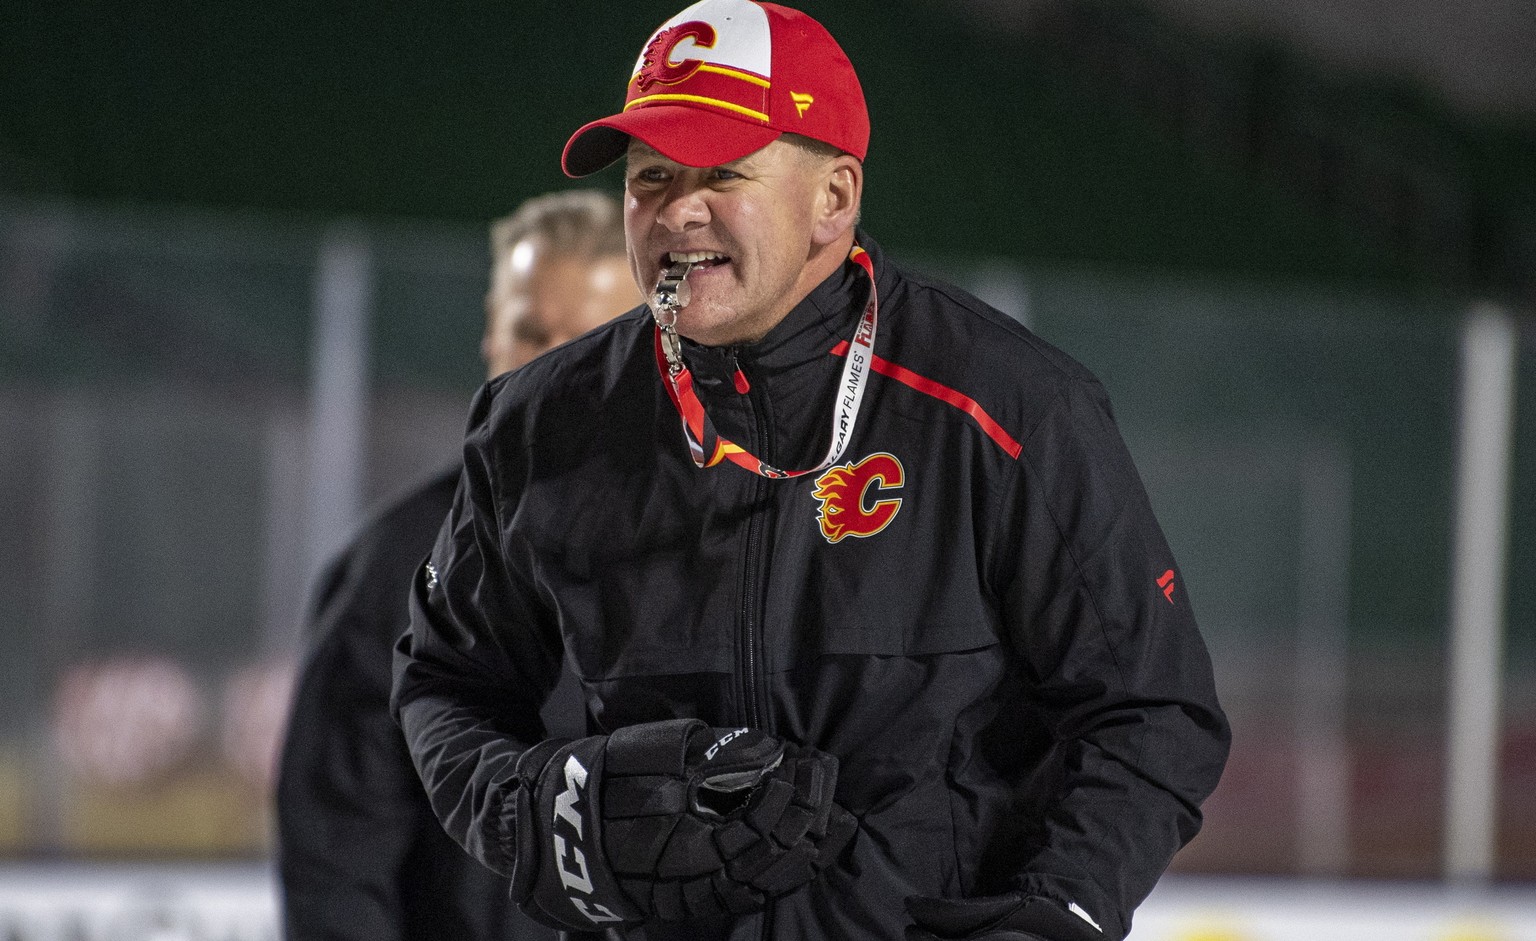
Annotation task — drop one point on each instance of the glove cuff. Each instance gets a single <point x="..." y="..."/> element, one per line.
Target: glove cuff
<point x="518" y="836"/>
<point x="572" y="887"/>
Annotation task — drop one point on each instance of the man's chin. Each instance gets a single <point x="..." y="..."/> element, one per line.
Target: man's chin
<point x="710" y="325"/>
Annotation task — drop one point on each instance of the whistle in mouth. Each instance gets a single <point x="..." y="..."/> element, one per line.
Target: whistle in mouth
<point x="671" y="293"/>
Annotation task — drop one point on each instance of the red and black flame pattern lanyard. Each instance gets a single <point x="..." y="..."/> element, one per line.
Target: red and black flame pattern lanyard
<point x="706" y="446"/>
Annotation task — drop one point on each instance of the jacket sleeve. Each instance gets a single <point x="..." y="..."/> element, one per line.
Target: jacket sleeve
<point x="481" y="655"/>
<point x="348" y="804"/>
<point x="1102" y="623"/>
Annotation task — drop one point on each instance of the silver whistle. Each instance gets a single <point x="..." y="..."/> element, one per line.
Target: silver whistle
<point x="671" y="293"/>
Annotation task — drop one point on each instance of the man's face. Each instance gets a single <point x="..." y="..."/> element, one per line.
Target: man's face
<point x="540" y="299"/>
<point x="753" y="223"/>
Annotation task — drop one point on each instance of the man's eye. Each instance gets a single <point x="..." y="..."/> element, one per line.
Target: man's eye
<point x="649" y="175"/>
<point x="721" y="173"/>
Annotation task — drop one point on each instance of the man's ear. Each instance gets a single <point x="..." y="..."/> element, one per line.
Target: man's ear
<point x="842" y="189"/>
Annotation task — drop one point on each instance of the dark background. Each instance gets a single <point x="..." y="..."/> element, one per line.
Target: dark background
<point x="1105" y="133"/>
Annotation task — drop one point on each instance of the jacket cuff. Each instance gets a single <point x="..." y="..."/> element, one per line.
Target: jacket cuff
<point x="515" y="836"/>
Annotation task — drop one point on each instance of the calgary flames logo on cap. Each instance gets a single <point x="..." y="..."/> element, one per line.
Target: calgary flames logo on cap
<point x="657" y="66"/>
<point x="843" y="492"/>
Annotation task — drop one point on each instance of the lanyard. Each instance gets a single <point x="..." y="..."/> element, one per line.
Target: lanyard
<point x="708" y="448"/>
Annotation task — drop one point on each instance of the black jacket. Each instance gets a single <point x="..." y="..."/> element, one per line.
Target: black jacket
<point x="360" y="854"/>
<point x="1008" y="668"/>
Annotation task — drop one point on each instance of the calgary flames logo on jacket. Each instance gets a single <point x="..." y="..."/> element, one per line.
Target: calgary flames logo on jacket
<point x="848" y="508"/>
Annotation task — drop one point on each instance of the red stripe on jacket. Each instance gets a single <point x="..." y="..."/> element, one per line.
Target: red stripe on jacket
<point x="944" y="394"/>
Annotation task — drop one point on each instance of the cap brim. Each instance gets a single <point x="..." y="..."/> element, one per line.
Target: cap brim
<point x="689" y="135"/>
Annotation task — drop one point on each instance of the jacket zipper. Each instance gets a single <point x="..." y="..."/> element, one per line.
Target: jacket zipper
<point x="754" y="566"/>
<point x="752" y="700"/>
<point x="749" y="619"/>
<point x="753" y="710"/>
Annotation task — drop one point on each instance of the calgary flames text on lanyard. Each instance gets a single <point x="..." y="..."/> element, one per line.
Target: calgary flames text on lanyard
<point x="707" y="447"/>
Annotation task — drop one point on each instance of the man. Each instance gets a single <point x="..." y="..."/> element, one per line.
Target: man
<point x="361" y="854"/>
<point x="882" y="642"/>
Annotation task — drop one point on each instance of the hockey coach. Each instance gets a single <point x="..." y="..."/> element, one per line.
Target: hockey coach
<point x="877" y="634"/>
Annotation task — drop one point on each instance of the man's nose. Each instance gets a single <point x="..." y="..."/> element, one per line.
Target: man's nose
<point x="684" y="207"/>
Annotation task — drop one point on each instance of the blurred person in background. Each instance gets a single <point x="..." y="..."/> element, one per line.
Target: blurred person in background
<point x="361" y="855"/>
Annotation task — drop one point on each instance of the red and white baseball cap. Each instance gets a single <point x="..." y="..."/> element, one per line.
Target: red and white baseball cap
<point x="725" y="78"/>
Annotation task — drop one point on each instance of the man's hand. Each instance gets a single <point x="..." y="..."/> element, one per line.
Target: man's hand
<point x="1011" y="917"/>
<point x="671" y="820"/>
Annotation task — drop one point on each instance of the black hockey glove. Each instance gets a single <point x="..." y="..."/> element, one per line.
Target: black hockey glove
<point x="1011" y="917"/>
<point x="671" y="820"/>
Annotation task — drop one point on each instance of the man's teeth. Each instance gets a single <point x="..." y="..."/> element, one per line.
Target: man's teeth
<point x="694" y="258"/>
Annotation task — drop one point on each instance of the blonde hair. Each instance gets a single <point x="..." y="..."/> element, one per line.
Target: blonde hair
<point x="583" y="223"/>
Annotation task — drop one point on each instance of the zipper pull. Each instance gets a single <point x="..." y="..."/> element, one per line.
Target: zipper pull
<point x="739" y="377"/>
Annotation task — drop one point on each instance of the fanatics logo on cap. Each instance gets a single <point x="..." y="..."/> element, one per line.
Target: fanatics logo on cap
<point x="723" y="79"/>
